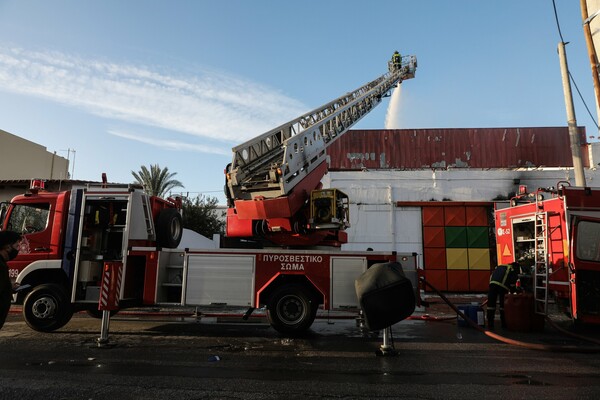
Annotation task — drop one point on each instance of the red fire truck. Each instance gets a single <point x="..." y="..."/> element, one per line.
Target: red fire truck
<point x="555" y="236"/>
<point x="107" y="247"/>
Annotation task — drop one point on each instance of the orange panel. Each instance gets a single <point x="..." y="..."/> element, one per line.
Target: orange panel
<point x="455" y="216"/>
<point x="458" y="281"/>
<point x="477" y="216"/>
<point x="479" y="280"/>
<point x="433" y="216"/>
<point x="433" y="236"/>
<point x="437" y="278"/>
<point x="434" y="258"/>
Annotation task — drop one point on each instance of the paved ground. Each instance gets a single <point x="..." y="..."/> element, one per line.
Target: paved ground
<point x="158" y="356"/>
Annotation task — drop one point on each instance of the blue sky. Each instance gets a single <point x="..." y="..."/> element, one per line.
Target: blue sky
<point x="179" y="83"/>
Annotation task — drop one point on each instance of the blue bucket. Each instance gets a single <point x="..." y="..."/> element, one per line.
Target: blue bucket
<point x="473" y="312"/>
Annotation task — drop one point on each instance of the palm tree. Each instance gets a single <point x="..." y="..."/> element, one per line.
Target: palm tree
<point x="156" y="181"/>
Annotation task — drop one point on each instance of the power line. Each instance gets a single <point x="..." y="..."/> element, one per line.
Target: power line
<point x="583" y="101"/>
<point x="557" y="23"/>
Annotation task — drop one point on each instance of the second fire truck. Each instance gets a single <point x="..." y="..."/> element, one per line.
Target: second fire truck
<point x="554" y="234"/>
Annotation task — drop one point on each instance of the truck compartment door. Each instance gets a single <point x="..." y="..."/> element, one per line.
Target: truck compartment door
<point x="344" y="271"/>
<point x="102" y="238"/>
<point x="220" y="279"/>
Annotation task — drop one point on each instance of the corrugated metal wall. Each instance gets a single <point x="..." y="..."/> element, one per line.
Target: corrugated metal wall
<point x="455" y="148"/>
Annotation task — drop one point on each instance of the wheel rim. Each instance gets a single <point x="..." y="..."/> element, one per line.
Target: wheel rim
<point x="175" y="228"/>
<point x="291" y="309"/>
<point x="44" y="307"/>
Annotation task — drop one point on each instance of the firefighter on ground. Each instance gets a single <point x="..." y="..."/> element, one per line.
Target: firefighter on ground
<point x="503" y="280"/>
<point x="396" y="60"/>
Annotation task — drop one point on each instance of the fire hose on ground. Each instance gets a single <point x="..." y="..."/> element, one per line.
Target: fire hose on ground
<point x="531" y="346"/>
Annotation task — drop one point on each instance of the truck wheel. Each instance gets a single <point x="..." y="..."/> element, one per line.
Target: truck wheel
<point x="169" y="228"/>
<point x="291" y="310"/>
<point x="47" y="308"/>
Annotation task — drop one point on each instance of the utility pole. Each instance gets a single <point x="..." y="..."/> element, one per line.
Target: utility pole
<point x="571" y="120"/>
<point x="589" y="41"/>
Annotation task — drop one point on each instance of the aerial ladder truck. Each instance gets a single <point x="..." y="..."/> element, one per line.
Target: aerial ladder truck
<point x="274" y="181"/>
<point x="112" y="247"/>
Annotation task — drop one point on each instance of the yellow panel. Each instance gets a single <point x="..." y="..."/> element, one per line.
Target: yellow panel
<point x="457" y="258"/>
<point x="479" y="259"/>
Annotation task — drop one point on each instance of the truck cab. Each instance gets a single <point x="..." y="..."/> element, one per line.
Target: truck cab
<point x="40" y="218"/>
<point x="70" y="237"/>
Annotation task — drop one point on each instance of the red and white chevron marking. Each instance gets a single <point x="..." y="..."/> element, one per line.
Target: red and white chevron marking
<point x="111" y="286"/>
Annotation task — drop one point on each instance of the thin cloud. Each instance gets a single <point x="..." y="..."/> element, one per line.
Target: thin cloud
<point x="211" y="104"/>
<point x="171" y="144"/>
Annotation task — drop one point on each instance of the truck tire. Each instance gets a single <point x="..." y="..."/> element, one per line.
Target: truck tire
<point x="291" y="310"/>
<point x="169" y="228"/>
<point x="47" y="308"/>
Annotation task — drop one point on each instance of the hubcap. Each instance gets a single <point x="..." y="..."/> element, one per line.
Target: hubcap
<point x="44" y="307"/>
<point x="291" y="309"/>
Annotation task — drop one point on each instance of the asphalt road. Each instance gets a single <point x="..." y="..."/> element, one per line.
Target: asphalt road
<point x="163" y="357"/>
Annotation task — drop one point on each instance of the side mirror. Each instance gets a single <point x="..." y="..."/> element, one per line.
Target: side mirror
<point x="3" y="210"/>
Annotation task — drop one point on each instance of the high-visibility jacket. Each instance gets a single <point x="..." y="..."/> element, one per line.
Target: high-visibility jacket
<point x="504" y="276"/>
<point x="397" y="58"/>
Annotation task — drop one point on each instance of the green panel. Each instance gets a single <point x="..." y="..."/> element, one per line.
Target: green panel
<point x="456" y="236"/>
<point x="478" y="237"/>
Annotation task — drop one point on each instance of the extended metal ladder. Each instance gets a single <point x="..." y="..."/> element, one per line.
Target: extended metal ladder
<point x="540" y="272"/>
<point x="272" y="164"/>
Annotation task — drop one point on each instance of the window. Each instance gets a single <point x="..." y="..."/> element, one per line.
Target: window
<point x="29" y="218"/>
<point x="588" y="241"/>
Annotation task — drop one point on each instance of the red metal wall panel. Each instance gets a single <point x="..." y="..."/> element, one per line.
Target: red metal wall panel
<point x="437" y="278"/>
<point x="477" y="216"/>
<point x="458" y="280"/>
<point x="479" y="281"/>
<point x="434" y="236"/>
<point x="455" y="216"/>
<point x="433" y="216"/>
<point x="456" y="148"/>
<point x="434" y="258"/>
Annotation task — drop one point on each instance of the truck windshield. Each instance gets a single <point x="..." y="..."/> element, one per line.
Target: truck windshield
<point x="588" y="240"/>
<point x="29" y="218"/>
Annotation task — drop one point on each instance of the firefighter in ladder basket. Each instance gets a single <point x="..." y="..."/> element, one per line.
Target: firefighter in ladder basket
<point x="503" y="280"/>
<point x="396" y="60"/>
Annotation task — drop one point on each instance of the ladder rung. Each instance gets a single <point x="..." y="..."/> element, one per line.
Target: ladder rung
<point x="541" y="263"/>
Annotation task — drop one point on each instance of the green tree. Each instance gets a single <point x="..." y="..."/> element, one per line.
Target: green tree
<point x="200" y="214"/>
<point x="156" y="181"/>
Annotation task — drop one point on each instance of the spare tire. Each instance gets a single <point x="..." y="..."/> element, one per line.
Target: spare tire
<point x="169" y="228"/>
